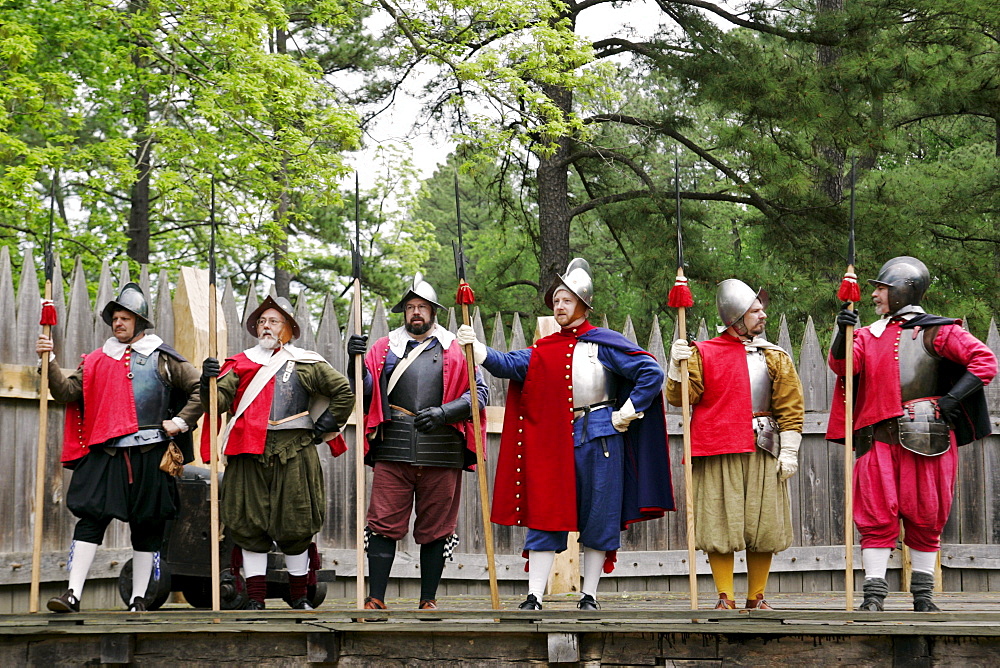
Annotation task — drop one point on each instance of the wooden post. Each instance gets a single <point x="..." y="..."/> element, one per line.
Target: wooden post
<point x="359" y="456"/>
<point x="484" y="492"/>
<point x="688" y="473"/>
<point x="849" y="463"/>
<point x="213" y="435"/>
<point x="43" y="412"/>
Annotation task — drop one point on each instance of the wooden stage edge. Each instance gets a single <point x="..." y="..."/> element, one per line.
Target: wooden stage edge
<point x="634" y="629"/>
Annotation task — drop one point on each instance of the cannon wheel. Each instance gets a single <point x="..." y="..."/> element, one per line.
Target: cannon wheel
<point x="157" y="592"/>
<point x="198" y="592"/>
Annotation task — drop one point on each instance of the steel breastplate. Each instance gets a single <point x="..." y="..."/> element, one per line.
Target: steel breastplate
<point x="760" y="381"/>
<point x="918" y="367"/>
<point x="422" y="384"/>
<point x="290" y="405"/>
<point x="151" y="392"/>
<point x="590" y="379"/>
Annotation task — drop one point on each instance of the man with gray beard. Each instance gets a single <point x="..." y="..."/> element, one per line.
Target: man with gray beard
<point x="283" y="399"/>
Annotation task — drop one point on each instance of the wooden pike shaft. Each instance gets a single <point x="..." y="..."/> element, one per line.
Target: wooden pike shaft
<point x="213" y="435"/>
<point x="688" y="476"/>
<point x="484" y="494"/>
<point x="359" y="456"/>
<point x="43" y="414"/>
<point x="849" y="463"/>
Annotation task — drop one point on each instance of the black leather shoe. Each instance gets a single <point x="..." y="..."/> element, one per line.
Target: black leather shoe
<point x="588" y="602"/>
<point x="530" y="603"/>
<point x="138" y="604"/>
<point x="253" y="604"/>
<point x="301" y="604"/>
<point x="65" y="603"/>
<point x="924" y="604"/>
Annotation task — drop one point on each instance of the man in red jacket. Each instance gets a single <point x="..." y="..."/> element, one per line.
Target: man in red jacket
<point x="283" y="400"/>
<point x="745" y="434"/>
<point x="919" y="380"/>
<point x="127" y="400"/>
<point x="420" y="438"/>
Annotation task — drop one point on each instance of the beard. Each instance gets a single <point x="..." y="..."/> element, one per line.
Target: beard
<point x="268" y="342"/>
<point x="422" y="328"/>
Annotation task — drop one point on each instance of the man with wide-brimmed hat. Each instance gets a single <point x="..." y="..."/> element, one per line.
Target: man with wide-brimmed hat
<point x="746" y="428"/>
<point x="127" y="401"/>
<point x="420" y="439"/>
<point x="919" y="382"/>
<point x="584" y="444"/>
<point x="282" y="401"/>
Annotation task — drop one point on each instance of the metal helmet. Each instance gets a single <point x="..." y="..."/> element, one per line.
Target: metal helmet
<point x="577" y="280"/>
<point x="907" y="279"/>
<point x="421" y="289"/>
<point x="734" y="298"/>
<point x="130" y="299"/>
<point x="279" y="303"/>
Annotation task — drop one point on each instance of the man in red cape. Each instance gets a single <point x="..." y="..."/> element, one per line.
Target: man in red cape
<point x="584" y="444"/>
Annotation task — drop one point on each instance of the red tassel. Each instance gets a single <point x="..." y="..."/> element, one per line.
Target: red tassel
<point x="49" y="316"/>
<point x="680" y="295"/>
<point x="849" y="290"/>
<point x="610" y="559"/>
<point x="465" y="294"/>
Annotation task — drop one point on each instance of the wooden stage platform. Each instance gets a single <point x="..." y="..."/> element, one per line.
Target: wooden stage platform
<point x="635" y="629"/>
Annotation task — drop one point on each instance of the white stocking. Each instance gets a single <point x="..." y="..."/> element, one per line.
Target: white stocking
<point x="142" y="569"/>
<point x="593" y="567"/>
<point x="81" y="556"/>
<point x="539" y="566"/>
<point x="254" y="563"/>
<point x="923" y="562"/>
<point x="297" y="564"/>
<point x="876" y="561"/>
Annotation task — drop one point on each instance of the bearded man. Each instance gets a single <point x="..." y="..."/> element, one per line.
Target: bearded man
<point x="283" y="400"/>
<point x="420" y="439"/>
<point x="919" y="382"/>
<point x="746" y="428"/>
<point x="584" y="444"/>
<point x="127" y="400"/>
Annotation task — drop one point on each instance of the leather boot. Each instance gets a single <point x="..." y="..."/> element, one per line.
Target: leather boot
<point x="922" y="588"/>
<point x="875" y="590"/>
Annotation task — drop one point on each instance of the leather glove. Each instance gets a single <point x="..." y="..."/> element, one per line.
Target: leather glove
<point x="621" y="418"/>
<point x="679" y="350"/>
<point x="846" y="318"/>
<point x="467" y="336"/>
<point x="209" y="369"/>
<point x="788" y="455"/>
<point x="357" y="344"/>
<point x="949" y="404"/>
<point x="429" y="418"/>
<point x="324" y="424"/>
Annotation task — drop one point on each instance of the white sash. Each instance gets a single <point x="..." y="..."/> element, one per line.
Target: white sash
<point x="404" y="364"/>
<point x="257" y="383"/>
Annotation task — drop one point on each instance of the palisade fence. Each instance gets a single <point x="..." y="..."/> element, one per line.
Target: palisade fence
<point x="653" y="556"/>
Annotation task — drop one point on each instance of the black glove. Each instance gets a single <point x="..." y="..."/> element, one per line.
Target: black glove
<point x="846" y="318"/>
<point x="429" y="418"/>
<point x="324" y="424"/>
<point x="357" y="344"/>
<point x="950" y="404"/>
<point x="209" y="369"/>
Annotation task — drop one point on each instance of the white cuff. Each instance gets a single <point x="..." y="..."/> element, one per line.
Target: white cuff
<point x="181" y="424"/>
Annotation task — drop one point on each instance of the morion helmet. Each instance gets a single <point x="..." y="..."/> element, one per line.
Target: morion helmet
<point x="907" y="279"/>
<point x="734" y="298"/>
<point x="421" y="289"/>
<point x="130" y="299"/>
<point x="278" y="303"/>
<point x="577" y="280"/>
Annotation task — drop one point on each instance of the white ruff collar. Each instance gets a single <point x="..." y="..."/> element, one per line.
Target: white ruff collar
<point x="399" y="336"/>
<point x="115" y="349"/>
<point x="906" y="313"/>
<point x="259" y="355"/>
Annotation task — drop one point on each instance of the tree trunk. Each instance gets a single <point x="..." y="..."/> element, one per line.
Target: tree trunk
<point x="138" y="215"/>
<point x="831" y="179"/>
<point x="553" y="201"/>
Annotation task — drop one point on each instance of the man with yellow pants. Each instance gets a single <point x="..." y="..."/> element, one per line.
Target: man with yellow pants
<point x="746" y="428"/>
